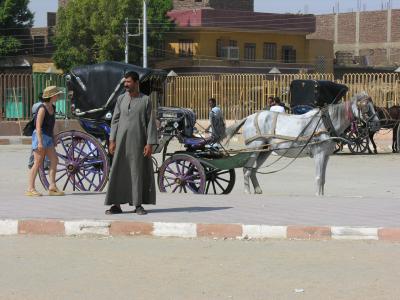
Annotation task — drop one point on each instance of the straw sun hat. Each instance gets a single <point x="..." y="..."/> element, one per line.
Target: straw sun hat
<point x="51" y="91"/>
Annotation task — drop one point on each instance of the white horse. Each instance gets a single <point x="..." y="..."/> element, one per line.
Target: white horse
<point x="299" y="136"/>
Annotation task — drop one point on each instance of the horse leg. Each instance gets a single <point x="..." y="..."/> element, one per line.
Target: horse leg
<point x="248" y="170"/>
<point x="394" y="139"/>
<point x="321" y="162"/>
<point x="260" y="160"/>
<point x="371" y="138"/>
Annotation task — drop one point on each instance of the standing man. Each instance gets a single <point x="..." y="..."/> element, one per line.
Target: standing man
<point x="133" y="132"/>
<point x="217" y="123"/>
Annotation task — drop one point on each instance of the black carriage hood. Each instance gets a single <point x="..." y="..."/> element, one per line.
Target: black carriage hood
<point x="92" y="85"/>
<point x="316" y="93"/>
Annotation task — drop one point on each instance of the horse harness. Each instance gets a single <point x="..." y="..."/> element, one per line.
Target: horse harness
<point x="284" y="138"/>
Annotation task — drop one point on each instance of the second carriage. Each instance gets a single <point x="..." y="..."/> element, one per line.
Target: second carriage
<point x="309" y="94"/>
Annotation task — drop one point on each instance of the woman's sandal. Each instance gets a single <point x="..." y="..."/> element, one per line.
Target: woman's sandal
<point x="33" y="193"/>
<point x="55" y="192"/>
<point x="114" y="210"/>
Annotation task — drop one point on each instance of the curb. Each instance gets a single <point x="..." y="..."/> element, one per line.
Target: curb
<point x="16" y="140"/>
<point x="192" y="230"/>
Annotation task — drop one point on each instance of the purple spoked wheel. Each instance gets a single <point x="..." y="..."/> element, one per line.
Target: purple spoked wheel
<point x="219" y="182"/>
<point x="82" y="163"/>
<point x="182" y="174"/>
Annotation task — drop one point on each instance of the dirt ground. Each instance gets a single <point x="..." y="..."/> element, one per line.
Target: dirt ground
<point x="156" y="268"/>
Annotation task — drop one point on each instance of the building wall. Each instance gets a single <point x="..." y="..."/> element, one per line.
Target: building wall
<point x="205" y="43"/>
<point x="374" y="34"/>
<point x="245" y="5"/>
<point x="320" y="54"/>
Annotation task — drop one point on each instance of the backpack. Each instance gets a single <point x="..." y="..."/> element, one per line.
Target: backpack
<point x="29" y="128"/>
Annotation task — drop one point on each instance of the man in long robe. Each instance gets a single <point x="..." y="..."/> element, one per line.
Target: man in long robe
<point x="133" y="132"/>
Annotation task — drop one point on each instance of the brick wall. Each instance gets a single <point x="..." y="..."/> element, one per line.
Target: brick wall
<point x="396" y="25"/>
<point x="372" y="35"/>
<point x="246" y="5"/>
<point x="373" y="27"/>
<point x="395" y="56"/>
<point x="377" y="56"/>
<point x="347" y="28"/>
<point x="325" y="28"/>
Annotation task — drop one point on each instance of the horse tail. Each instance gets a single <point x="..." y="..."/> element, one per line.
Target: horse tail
<point x="232" y="130"/>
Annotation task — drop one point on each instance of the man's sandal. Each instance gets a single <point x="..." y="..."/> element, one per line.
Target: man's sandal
<point x="33" y="193"/>
<point x="114" y="210"/>
<point x="55" y="192"/>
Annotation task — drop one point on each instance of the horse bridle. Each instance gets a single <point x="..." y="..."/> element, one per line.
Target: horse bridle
<point x="363" y="108"/>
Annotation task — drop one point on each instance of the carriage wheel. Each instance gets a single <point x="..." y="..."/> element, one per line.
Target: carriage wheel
<point x="82" y="163"/>
<point x="182" y="174"/>
<point x="359" y="141"/>
<point x="219" y="181"/>
<point x="398" y="139"/>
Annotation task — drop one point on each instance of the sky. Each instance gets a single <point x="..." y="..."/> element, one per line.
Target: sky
<point x="41" y="7"/>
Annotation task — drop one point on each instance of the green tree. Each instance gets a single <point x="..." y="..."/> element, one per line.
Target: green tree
<point x="14" y="17"/>
<point x="92" y="31"/>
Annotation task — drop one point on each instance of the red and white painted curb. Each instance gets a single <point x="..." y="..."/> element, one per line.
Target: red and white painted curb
<point x="192" y="230"/>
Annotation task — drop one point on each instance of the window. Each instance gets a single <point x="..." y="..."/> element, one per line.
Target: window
<point x="198" y="0"/>
<point x="232" y="43"/>
<point x="219" y="48"/>
<point x="249" y="51"/>
<point x="222" y="44"/>
<point x="288" y="54"/>
<point x="270" y="51"/>
<point x="186" y="48"/>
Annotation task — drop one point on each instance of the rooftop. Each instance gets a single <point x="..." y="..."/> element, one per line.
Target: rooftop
<point x="244" y="20"/>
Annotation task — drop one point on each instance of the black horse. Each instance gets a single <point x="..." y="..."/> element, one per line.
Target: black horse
<point x="389" y="119"/>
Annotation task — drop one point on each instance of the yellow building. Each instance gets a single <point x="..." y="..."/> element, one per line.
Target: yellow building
<point x="211" y="40"/>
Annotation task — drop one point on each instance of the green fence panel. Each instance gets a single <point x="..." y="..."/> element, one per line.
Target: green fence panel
<point x="15" y="108"/>
<point x="43" y="80"/>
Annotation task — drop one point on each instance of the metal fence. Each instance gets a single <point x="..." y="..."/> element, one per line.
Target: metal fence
<point x="242" y="94"/>
<point x="238" y="94"/>
<point x="18" y="92"/>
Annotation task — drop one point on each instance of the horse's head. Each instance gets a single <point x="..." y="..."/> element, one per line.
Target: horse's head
<point x="363" y="109"/>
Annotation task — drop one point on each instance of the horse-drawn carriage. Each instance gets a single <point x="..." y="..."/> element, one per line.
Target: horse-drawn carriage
<point x="84" y="161"/>
<point x="309" y="94"/>
<point x="201" y="168"/>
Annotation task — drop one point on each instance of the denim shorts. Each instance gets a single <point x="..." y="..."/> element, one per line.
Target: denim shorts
<point x="46" y="140"/>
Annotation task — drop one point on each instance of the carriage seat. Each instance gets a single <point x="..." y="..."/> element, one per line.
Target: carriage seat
<point x="195" y="143"/>
<point x="301" y="109"/>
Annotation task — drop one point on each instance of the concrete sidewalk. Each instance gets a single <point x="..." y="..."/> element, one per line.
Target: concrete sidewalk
<point x="254" y="216"/>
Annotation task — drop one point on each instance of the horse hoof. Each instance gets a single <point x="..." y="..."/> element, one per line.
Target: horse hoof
<point x="258" y="191"/>
<point x="247" y="192"/>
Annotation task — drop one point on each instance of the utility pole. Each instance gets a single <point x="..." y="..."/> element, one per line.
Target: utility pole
<point x="145" y="33"/>
<point x="126" y="41"/>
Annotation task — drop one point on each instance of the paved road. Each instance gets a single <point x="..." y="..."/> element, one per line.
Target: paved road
<point x="147" y="268"/>
<point x="361" y="190"/>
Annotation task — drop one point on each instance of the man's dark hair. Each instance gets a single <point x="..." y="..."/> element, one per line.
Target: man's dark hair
<point x="213" y="100"/>
<point x="277" y="101"/>
<point x="133" y="75"/>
